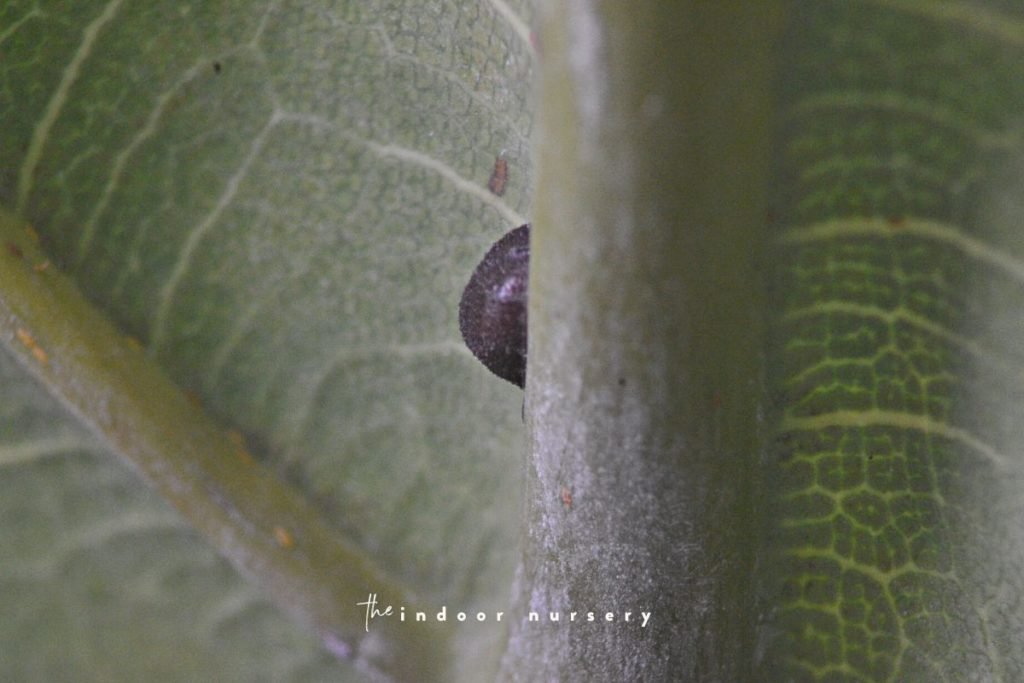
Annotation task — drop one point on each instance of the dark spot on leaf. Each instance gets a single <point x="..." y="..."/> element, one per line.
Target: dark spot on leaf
<point x="499" y="176"/>
<point x="216" y="67"/>
<point x="14" y="250"/>
<point x="492" y="313"/>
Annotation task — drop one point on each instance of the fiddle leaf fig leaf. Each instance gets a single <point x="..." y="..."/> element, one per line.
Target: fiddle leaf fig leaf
<point x="774" y="385"/>
<point x="280" y="203"/>
<point x="773" y="393"/>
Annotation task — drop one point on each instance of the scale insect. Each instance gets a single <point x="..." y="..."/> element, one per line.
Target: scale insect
<point x="492" y="312"/>
<point x="499" y="175"/>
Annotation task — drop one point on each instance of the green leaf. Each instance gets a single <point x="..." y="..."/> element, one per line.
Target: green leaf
<point x="259" y="523"/>
<point x="643" y="389"/>
<point x="281" y="202"/>
<point x="103" y="581"/>
<point x="897" y="363"/>
<point x="773" y="394"/>
<point x="834" y="208"/>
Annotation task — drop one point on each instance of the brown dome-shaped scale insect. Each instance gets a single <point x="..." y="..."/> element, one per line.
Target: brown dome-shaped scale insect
<point x="499" y="176"/>
<point x="492" y="313"/>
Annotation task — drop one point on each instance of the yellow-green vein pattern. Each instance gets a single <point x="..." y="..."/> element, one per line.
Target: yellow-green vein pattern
<point x="896" y="375"/>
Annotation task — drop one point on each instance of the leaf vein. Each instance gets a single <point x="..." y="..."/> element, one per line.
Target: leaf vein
<point x="901" y="315"/>
<point x="149" y="128"/>
<point x="900" y="103"/>
<point x="184" y="261"/>
<point x="998" y="25"/>
<point x="519" y="26"/>
<point x="41" y="133"/>
<point x="23" y="452"/>
<point x="933" y="230"/>
<point x="887" y="418"/>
